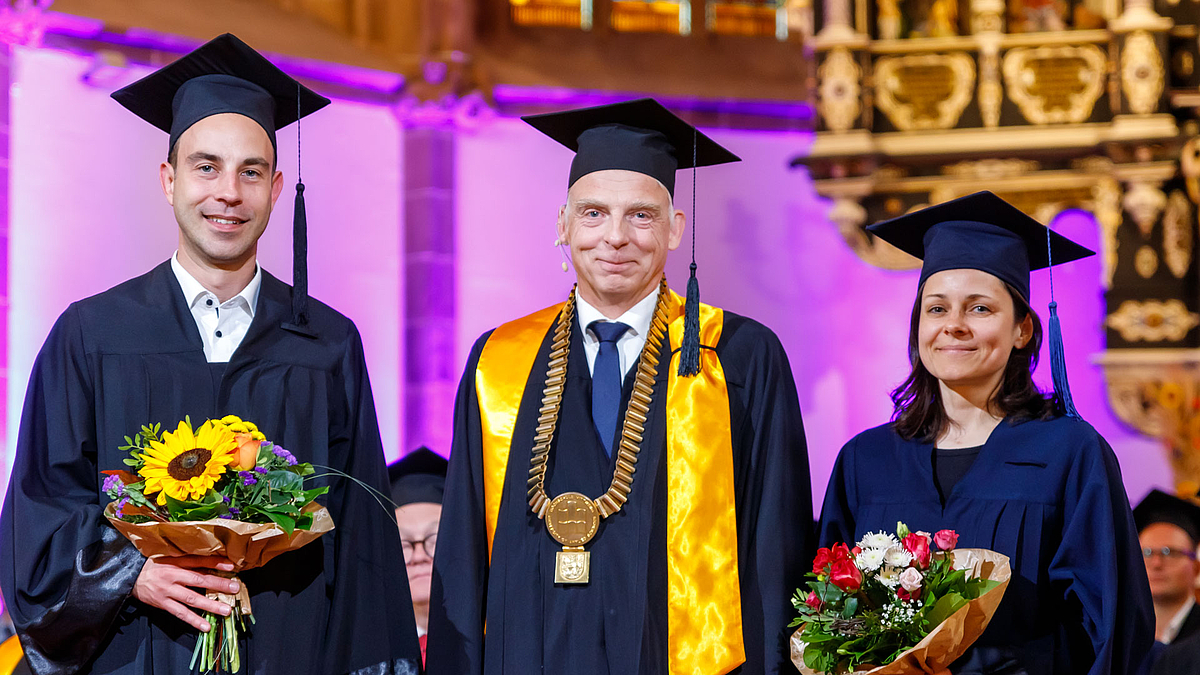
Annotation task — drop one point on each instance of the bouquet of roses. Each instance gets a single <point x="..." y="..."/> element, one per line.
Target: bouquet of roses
<point x="898" y="603"/>
<point x="220" y="490"/>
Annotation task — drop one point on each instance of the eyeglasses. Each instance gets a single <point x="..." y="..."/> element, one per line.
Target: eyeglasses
<point x="1168" y="553"/>
<point x="429" y="543"/>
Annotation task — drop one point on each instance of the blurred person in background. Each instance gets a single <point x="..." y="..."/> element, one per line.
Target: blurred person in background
<point x="418" y="481"/>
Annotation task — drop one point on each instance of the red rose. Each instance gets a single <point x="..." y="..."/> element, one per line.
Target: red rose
<point x="828" y="556"/>
<point x="946" y="540"/>
<point x="846" y="576"/>
<point x="813" y="601"/>
<point x="903" y="594"/>
<point x="822" y="561"/>
<point x="918" y="545"/>
<point x="856" y="550"/>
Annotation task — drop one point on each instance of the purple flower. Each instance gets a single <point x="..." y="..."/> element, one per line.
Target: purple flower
<point x="248" y="478"/>
<point x="284" y="455"/>
<point x="121" y="504"/>
<point x="225" y="498"/>
<point x="234" y="510"/>
<point x="226" y="516"/>
<point x="260" y="470"/>
<point x="114" y="483"/>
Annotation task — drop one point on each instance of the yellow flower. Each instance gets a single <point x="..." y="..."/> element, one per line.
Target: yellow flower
<point x="185" y="465"/>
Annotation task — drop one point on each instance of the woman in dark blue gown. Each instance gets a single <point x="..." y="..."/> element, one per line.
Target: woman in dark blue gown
<point x="973" y="446"/>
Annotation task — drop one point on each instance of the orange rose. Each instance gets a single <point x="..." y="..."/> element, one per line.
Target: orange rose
<point x="247" y="451"/>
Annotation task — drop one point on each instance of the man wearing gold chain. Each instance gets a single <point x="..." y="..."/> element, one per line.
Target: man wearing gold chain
<point x="628" y="488"/>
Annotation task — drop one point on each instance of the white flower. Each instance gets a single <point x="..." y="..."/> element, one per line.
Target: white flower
<point x="869" y="560"/>
<point x="911" y="579"/>
<point x="889" y="576"/>
<point x="896" y="556"/>
<point x="880" y="540"/>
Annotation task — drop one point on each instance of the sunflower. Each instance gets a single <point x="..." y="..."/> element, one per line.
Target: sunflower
<point x="186" y="465"/>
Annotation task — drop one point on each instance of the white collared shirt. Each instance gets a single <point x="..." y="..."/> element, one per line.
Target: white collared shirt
<point x="1172" y="629"/>
<point x="630" y="344"/>
<point x="222" y="325"/>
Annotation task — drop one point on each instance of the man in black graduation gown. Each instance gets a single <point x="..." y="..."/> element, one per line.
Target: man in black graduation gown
<point x="692" y="560"/>
<point x="205" y="334"/>
<point x="1168" y="531"/>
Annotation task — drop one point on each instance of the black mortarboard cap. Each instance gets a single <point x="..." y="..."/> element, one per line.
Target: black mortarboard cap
<point x="419" y="476"/>
<point x="642" y="136"/>
<point x="1160" y="507"/>
<point x="983" y="232"/>
<point x="225" y="75"/>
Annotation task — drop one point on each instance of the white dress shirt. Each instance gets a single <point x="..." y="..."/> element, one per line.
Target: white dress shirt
<point x="222" y="325"/>
<point x="630" y="344"/>
<point x="1172" y="629"/>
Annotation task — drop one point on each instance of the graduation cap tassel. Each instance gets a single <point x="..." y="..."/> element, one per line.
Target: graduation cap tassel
<point x="299" y="245"/>
<point x="689" y="350"/>
<point x="300" y="260"/>
<point x="1058" y="361"/>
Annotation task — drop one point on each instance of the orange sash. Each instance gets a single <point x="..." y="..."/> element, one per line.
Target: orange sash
<point x="704" y="615"/>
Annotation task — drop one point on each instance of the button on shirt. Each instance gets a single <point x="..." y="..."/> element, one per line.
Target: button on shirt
<point x="630" y="344"/>
<point x="222" y="325"/>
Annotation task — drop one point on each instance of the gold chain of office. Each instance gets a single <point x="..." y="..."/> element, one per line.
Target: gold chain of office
<point x="572" y="518"/>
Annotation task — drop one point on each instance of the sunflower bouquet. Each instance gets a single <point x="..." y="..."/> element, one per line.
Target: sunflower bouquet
<point x="222" y="490"/>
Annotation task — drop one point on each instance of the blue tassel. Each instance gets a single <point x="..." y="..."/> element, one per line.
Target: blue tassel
<point x="1058" y="364"/>
<point x="689" y="351"/>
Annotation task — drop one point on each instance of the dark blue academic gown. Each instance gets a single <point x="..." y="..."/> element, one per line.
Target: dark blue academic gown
<point x="616" y="624"/>
<point x="130" y="356"/>
<point x="1048" y="494"/>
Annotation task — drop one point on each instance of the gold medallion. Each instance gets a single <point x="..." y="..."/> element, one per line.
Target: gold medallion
<point x="572" y="520"/>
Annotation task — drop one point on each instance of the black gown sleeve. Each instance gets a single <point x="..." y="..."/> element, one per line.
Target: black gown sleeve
<point x="460" y="569"/>
<point x="775" y="519"/>
<point x="65" y="572"/>
<point x="1099" y="566"/>
<point x="371" y="629"/>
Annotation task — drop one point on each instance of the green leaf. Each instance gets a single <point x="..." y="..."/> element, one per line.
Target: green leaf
<point x="285" y="480"/>
<point x="130" y="461"/>
<point x="285" y="523"/>
<point x="849" y="608"/>
<point x="944" y="607"/>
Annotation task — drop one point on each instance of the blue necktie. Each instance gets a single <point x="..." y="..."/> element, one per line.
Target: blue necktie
<point x="606" y="380"/>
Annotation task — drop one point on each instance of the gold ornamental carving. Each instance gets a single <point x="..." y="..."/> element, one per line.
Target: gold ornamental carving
<point x="991" y="169"/>
<point x="1177" y="234"/>
<point x="1055" y="85"/>
<point x="1157" y="392"/>
<point x="1145" y="262"/>
<point x="991" y="93"/>
<point x="1106" y="205"/>
<point x="924" y="91"/>
<point x="1152" y="320"/>
<point x="1144" y="202"/>
<point x="1142" y="72"/>
<point x="839" y="91"/>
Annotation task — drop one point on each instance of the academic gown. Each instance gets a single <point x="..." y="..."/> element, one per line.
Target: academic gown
<point x="1048" y="494"/>
<point x="617" y="623"/>
<point x="133" y="355"/>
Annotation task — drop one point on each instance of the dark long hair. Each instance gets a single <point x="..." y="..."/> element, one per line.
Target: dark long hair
<point x="919" y="413"/>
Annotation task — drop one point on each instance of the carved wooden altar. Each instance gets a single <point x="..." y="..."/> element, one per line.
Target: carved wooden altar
<point x="1051" y="104"/>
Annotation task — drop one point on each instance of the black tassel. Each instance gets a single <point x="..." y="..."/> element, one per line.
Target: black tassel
<point x="299" y="323"/>
<point x="689" y="351"/>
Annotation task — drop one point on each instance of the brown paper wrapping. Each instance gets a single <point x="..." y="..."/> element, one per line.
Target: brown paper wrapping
<point x="954" y="636"/>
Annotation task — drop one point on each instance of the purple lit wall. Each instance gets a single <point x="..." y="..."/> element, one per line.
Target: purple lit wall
<point x="765" y="250"/>
<point x="87" y="213"/>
